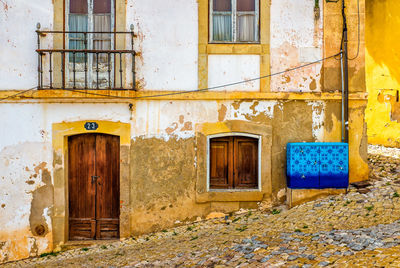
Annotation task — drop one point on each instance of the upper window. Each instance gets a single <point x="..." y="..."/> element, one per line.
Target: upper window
<point x="233" y="163"/>
<point x="90" y="18"/>
<point x="234" y="21"/>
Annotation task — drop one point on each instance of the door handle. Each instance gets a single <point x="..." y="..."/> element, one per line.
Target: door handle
<point x="94" y="178"/>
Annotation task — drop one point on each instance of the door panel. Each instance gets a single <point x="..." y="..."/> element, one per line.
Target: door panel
<point x="107" y="171"/>
<point x="246" y="162"/>
<point x="93" y="186"/>
<point x="81" y="166"/>
<point x="219" y="158"/>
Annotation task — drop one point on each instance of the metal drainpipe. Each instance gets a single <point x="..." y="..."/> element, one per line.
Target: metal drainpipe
<point x="342" y="102"/>
<point x="346" y="75"/>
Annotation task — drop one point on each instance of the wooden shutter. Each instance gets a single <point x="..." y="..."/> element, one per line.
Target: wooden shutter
<point x="221" y="158"/>
<point x="233" y="163"/>
<point x="246" y="162"/>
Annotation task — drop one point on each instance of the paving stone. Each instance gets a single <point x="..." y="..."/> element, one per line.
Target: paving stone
<point x="323" y="263"/>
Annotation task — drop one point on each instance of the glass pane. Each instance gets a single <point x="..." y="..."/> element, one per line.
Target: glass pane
<point x="102" y="6"/>
<point x="246" y="5"/>
<point x="222" y="27"/>
<point x="77" y="23"/>
<point x="246" y="28"/>
<point x="78" y="6"/>
<point x="102" y="23"/>
<point x="222" y="5"/>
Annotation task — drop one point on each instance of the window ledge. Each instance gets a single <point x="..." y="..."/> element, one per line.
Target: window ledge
<point x="229" y="196"/>
<point x="233" y="190"/>
<point x="237" y="48"/>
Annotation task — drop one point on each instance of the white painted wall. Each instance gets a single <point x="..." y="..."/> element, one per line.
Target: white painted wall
<point x="168" y="40"/>
<point x="168" y="45"/>
<point x="18" y="59"/>
<point x="227" y="69"/>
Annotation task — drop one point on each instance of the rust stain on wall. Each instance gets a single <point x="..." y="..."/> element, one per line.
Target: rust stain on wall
<point x="313" y="84"/>
<point x="42" y="198"/>
<point x="222" y="113"/>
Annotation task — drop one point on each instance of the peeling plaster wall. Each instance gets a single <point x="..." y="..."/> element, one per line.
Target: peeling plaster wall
<point x="26" y="168"/>
<point x="162" y="132"/>
<point x="296" y="40"/>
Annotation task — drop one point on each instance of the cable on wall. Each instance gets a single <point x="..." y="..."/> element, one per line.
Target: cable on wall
<point x="185" y="92"/>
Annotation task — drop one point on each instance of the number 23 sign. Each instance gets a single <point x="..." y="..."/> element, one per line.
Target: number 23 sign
<point x="91" y="126"/>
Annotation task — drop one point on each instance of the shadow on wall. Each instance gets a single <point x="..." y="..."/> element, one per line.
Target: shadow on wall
<point x="383" y="37"/>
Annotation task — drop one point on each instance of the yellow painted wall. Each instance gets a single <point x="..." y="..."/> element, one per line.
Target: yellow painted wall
<point x="383" y="72"/>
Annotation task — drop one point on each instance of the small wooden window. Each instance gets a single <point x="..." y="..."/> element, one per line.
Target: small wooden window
<point x="233" y="163"/>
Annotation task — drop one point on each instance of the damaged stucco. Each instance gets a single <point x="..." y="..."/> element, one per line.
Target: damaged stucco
<point x="160" y="156"/>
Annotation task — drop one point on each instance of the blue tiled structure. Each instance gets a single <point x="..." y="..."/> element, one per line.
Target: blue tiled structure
<point x="317" y="165"/>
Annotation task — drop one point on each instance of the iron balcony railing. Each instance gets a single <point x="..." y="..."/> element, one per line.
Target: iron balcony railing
<point x="91" y="63"/>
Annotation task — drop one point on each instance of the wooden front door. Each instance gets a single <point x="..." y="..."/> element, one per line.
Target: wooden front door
<point x="93" y="186"/>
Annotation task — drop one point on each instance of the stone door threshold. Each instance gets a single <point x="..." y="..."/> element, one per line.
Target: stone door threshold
<point x="87" y="243"/>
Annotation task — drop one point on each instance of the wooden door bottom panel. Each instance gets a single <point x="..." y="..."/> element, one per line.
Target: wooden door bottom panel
<point x="107" y="228"/>
<point x="82" y="229"/>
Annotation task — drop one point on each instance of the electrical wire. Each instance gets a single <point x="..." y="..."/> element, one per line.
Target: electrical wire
<point x="19" y="93"/>
<point x="184" y="92"/>
<point x="208" y="88"/>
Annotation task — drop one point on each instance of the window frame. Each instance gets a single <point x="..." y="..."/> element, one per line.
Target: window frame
<point x="90" y="39"/>
<point x="259" y="160"/>
<point x="234" y="28"/>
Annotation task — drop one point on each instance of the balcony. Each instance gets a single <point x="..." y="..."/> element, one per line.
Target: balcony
<point x="86" y="60"/>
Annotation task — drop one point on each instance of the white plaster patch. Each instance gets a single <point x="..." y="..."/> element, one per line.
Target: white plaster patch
<point x="309" y="54"/>
<point x="281" y="193"/>
<point x="226" y="69"/>
<point x="167" y="40"/>
<point x="297" y="27"/>
<point x="46" y="215"/>
<point x="318" y="117"/>
<point x="177" y="119"/>
<point x="31" y="246"/>
<point x="266" y="108"/>
<point x="247" y="109"/>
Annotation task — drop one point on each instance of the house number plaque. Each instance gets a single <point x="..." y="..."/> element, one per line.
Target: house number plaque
<point x="91" y="125"/>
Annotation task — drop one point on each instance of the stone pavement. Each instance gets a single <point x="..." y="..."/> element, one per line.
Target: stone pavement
<point x="360" y="228"/>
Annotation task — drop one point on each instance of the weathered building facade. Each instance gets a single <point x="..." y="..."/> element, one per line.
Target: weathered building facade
<point x="169" y="149"/>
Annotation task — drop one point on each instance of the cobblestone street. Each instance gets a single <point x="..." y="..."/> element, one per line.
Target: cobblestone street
<point x="360" y="228"/>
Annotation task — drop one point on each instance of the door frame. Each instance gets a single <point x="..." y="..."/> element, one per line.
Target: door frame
<point x="61" y="132"/>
